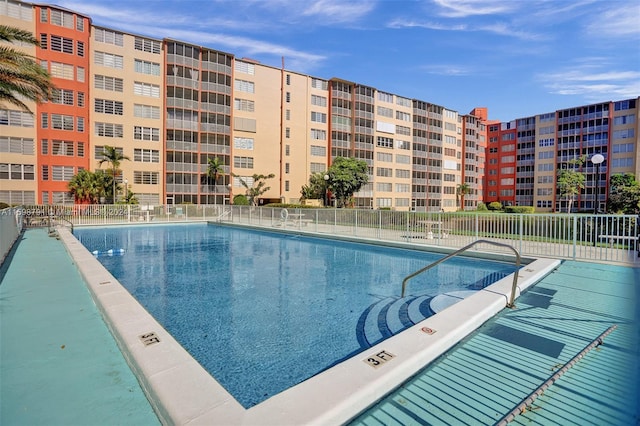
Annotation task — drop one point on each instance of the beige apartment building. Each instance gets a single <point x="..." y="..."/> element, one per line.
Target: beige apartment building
<point x="170" y="107"/>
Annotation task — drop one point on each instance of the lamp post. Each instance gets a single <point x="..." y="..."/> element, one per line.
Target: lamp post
<point x="597" y="159"/>
<point x="326" y="190"/>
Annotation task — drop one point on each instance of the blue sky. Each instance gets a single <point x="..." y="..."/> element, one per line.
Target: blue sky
<point x="518" y="58"/>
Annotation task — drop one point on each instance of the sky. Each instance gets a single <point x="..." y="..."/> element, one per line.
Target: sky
<point x="518" y="58"/>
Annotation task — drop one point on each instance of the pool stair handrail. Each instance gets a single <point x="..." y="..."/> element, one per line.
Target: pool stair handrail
<point x="463" y="249"/>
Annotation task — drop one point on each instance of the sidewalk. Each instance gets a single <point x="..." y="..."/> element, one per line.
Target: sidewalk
<point x="59" y="363"/>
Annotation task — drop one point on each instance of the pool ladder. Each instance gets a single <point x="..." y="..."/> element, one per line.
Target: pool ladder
<point x="463" y="249"/>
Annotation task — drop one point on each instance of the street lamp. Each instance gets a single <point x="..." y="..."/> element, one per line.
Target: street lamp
<point x="326" y="190"/>
<point x="597" y="160"/>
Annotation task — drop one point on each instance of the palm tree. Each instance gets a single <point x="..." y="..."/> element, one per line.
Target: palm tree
<point x="214" y="169"/>
<point x="112" y="156"/>
<point x="21" y="77"/>
<point x="462" y="190"/>
<point x="88" y="187"/>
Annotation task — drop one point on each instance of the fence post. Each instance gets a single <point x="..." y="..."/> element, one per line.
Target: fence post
<point x="521" y="231"/>
<point x="355" y="227"/>
<point x="477" y="227"/>
<point x="575" y="236"/>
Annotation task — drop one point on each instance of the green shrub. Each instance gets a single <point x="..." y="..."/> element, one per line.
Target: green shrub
<point x="240" y="200"/>
<point x="4" y="206"/>
<point x="520" y="209"/>
<point x="482" y="207"/>
<point x="495" y="205"/>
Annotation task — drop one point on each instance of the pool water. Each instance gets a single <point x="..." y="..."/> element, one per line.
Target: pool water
<point x="263" y="311"/>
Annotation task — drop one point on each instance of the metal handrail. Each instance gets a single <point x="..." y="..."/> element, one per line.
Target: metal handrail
<point x="457" y="252"/>
<point x="54" y="218"/>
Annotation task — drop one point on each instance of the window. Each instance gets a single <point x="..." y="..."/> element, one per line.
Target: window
<point x="288" y="97"/>
<point x="45" y="172"/>
<point x="402" y="130"/>
<point x="17" y="171"/>
<point x="44" y="119"/>
<point x="17" y="145"/>
<point x="60" y="70"/>
<point x="146" y="155"/>
<point x="624" y="119"/>
<point x="62" y="19"/>
<point x="106" y="106"/>
<point x="108" y="60"/>
<point x="62" y="96"/>
<point x="146" y="45"/>
<point x="44" y="14"/>
<point x="385" y="112"/>
<point x="146" y="133"/>
<point x="80" y="149"/>
<point x="112" y="84"/>
<point x="61" y="44"/>
<point x="81" y="99"/>
<point x="243" y="162"/>
<point x="384" y="172"/>
<point x="287" y="133"/>
<point x="384" y="142"/>
<point x="318" y="117"/>
<point x="242" y="143"/>
<point x="403" y="174"/>
<point x="80" y="48"/>
<point x="146" y="67"/>
<point x="146" y="111"/>
<point x="287" y="114"/>
<point x="109" y="130"/>
<point x="286" y="168"/>
<point x="244" y="86"/>
<point x="146" y="89"/>
<point x="79" y="24"/>
<point x="384" y="187"/>
<point x="61" y="122"/>
<point x="245" y="67"/>
<point x="318" y="134"/>
<point x="385" y="97"/>
<point x="62" y="173"/>
<point x="318" y="100"/>
<point x="43" y="41"/>
<point x="403" y="159"/>
<point x="80" y="74"/>
<point x="16" y="118"/>
<point x="403" y="116"/>
<point x="80" y="124"/>
<point x="64" y="148"/>
<point x="384" y="156"/>
<point x="288" y="79"/>
<point x="145" y="178"/>
<point x="243" y="105"/>
<point x="319" y="84"/>
<point x="318" y="151"/>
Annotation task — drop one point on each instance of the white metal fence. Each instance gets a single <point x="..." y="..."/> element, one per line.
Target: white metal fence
<point x="611" y="238"/>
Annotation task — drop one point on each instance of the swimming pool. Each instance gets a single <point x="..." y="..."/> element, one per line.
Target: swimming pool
<point x="263" y="311"/>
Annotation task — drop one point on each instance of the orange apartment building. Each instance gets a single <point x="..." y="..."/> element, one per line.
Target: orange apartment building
<point x="170" y="106"/>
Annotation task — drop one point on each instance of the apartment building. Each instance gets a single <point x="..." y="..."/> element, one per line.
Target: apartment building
<point x="564" y="139"/>
<point x="170" y="107"/>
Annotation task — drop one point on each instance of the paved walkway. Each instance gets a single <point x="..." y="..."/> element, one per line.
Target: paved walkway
<point x="482" y="379"/>
<point x="59" y="363"/>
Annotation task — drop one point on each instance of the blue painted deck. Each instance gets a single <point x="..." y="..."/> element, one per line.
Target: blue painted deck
<point x="486" y="376"/>
<point x="60" y="364"/>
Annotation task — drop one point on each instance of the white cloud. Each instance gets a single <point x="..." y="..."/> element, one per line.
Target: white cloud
<point x="502" y="29"/>
<point x="339" y="11"/>
<point x="620" y="20"/>
<point x="446" y="69"/>
<point x="464" y="8"/>
<point x="592" y="83"/>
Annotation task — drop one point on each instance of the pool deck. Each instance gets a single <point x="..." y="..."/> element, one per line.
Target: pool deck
<point x="61" y="365"/>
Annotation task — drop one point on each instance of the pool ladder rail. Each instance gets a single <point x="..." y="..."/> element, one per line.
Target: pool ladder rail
<point x="463" y="249"/>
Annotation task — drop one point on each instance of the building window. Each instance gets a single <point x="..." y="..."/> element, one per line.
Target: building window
<point x="243" y="105"/>
<point x="245" y="67"/>
<point x="286" y="168"/>
<point x="318" y="151"/>
<point x="146" y="155"/>
<point x="287" y="133"/>
<point x="45" y="172"/>
<point x="62" y="173"/>
<point x="243" y="162"/>
<point x="318" y="134"/>
<point x="64" y="148"/>
<point x="112" y="84"/>
<point x="146" y="67"/>
<point x="244" y="86"/>
<point x="80" y="74"/>
<point x="109" y="130"/>
<point x="108" y="60"/>
<point x="146" y="89"/>
<point x="60" y="70"/>
<point x="62" y="96"/>
<point x="146" y="45"/>
<point x="318" y="117"/>
<point x="146" y="111"/>
<point x="106" y="106"/>
<point x="62" y="122"/>
<point x="62" y="19"/>
<point x="320" y="101"/>
<point x="288" y="97"/>
<point x="242" y="143"/>
<point x="146" y="133"/>
<point x="288" y="79"/>
<point x="80" y="49"/>
<point x="145" y="178"/>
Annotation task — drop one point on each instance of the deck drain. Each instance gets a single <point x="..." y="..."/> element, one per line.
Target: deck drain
<point x="149" y="338"/>
<point x="105" y="282"/>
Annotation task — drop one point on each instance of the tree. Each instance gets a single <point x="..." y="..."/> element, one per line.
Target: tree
<point x="89" y="187"/>
<point x="214" y="169"/>
<point x="462" y="190"/>
<point x="624" y="194"/>
<point x="346" y="177"/>
<point x="316" y="189"/>
<point x="114" y="157"/>
<point x="20" y="75"/>
<point x="257" y="189"/>
<point x="570" y="183"/>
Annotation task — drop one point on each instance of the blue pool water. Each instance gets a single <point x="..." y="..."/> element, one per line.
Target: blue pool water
<point x="263" y="311"/>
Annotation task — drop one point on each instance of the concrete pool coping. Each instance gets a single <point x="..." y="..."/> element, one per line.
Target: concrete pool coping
<point x="182" y="392"/>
